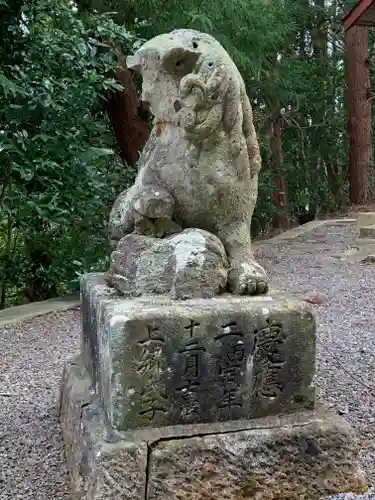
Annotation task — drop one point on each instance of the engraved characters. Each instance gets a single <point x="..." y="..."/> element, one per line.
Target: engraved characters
<point x="150" y="367"/>
<point x="268" y="360"/>
<point x="190" y="360"/>
<point x="238" y="354"/>
<point x="231" y="366"/>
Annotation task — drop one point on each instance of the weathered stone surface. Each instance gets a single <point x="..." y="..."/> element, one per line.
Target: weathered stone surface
<point x="159" y="362"/>
<point x="307" y="462"/>
<point x="96" y="292"/>
<point x="76" y="393"/>
<point x="305" y="455"/>
<point x="98" y="468"/>
<point x="365" y="219"/>
<point x="367" y="232"/>
<point x="363" y="252"/>
<point x="200" y="166"/>
<point x="192" y="263"/>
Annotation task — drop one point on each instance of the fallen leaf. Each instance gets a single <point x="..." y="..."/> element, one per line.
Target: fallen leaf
<point x="314" y="298"/>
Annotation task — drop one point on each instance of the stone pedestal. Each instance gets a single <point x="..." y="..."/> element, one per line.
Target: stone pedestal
<point x="303" y="455"/>
<point x="366" y="225"/>
<point x="200" y="399"/>
<point x="364" y="244"/>
<point x="157" y="362"/>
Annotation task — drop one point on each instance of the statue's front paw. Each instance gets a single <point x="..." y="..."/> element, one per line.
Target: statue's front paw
<point x="248" y="278"/>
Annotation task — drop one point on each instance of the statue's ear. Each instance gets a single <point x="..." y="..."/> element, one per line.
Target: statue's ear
<point x="134" y="63"/>
<point x="180" y="61"/>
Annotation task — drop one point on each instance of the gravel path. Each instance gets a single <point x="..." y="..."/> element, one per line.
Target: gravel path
<point x="32" y="355"/>
<point x="345" y="368"/>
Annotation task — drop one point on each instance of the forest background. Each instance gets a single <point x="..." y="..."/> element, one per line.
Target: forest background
<point x="72" y="126"/>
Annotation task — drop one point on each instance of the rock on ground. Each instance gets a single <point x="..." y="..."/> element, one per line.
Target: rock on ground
<point x="189" y="264"/>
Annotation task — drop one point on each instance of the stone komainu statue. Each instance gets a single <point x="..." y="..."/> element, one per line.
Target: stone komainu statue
<point x="199" y="168"/>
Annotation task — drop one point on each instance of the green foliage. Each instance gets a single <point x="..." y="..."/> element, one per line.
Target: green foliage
<point x="59" y="173"/>
<point x="291" y="56"/>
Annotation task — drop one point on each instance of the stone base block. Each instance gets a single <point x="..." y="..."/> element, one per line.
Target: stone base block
<point x="305" y="455"/>
<point x="367" y="232"/>
<point x="157" y="362"/>
<point x="365" y="219"/>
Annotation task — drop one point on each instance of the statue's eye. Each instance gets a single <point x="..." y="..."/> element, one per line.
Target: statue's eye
<point x="210" y="64"/>
<point x="195" y="45"/>
<point x="177" y="106"/>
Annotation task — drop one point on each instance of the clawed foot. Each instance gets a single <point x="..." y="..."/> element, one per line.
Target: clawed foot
<point x="248" y="278"/>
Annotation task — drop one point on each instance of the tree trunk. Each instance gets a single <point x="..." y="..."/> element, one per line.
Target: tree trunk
<point x="128" y="116"/>
<point x="276" y="143"/>
<point x="359" y="103"/>
<point x="279" y="195"/>
<point x="273" y="110"/>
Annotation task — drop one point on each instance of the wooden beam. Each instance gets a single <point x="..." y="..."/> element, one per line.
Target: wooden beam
<point x="356" y="13"/>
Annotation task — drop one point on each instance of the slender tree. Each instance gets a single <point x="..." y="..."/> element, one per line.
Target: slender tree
<point x="359" y="104"/>
<point x="277" y="155"/>
<point x="128" y="116"/>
